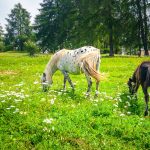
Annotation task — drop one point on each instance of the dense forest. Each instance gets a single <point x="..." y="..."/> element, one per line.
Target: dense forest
<point x="111" y="25"/>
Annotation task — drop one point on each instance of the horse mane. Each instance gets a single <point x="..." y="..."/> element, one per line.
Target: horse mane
<point x="51" y="66"/>
<point x="135" y="75"/>
<point x="56" y="57"/>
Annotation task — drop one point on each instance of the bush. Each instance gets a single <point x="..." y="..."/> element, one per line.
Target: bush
<point x="2" y="47"/>
<point x="9" y="48"/>
<point x="20" y="41"/>
<point x="31" y="48"/>
<point x="105" y="51"/>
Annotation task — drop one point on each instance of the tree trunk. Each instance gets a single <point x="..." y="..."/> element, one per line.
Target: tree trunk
<point x="110" y="27"/>
<point x="139" y="39"/>
<point x="143" y="25"/>
<point x="130" y="51"/>
<point x="145" y="28"/>
<point x="111" y="53"/>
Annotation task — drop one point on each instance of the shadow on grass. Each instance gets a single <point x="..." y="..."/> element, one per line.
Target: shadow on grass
<point x="71" y="95"/>
<point x="129" y="103"/>
<point x="77" y="143"/>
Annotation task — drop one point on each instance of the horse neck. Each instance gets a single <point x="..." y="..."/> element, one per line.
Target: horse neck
<point x="135" y="75"/>
<point x="50" y="70"/>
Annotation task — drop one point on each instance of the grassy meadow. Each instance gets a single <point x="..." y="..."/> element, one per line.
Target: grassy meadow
<point x="67" y="120"/>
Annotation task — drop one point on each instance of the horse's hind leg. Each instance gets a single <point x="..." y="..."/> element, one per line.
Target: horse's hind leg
<point x="66" y="77"/>
<point x="146" y="100"/>
<point x="89" y="80"/>
<point x="97" y="88"/>
<point x="97" y="82"/>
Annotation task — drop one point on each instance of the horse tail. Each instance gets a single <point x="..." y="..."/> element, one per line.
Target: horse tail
<point x="91" y="71"/>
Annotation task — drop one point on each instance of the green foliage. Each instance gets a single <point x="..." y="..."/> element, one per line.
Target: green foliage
<point x="18" y="27"/>
<point x="20" y="41"/>
<point x="104" y="24"/>
<point x="9" y="47"/>
<point x="54" y="23"/>
<point x="2" y="47"/>
<point x="1" y="33"/>
<point x="32" y="119"/>
<point x="31" y="47"/>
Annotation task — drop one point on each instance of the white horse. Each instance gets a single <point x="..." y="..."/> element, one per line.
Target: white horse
<point x="83" y="60"/>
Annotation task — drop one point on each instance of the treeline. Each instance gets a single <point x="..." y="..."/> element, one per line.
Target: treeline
<point x="111" y="25"/>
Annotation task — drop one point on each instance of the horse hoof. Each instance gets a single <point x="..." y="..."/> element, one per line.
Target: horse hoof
<point x="87" y="95"/>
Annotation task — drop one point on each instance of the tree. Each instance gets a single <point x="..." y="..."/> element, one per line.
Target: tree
<point x="1" y="33"/>
<point x="129" y="28"/>
<point x="18" y="27"/>
<point x="101" y="19"/>
<point x="108" y="21"/>
<point x="1" y="38"/>
<point x="142" y="20"/>
<point x="52" y="26"/>
<point x="31" y="47"/>
<point x="106" y="24"/>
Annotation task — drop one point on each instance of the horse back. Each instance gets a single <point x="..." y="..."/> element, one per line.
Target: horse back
<point x="72" y="60"/>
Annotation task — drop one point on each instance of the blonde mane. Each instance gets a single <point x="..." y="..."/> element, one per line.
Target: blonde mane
<point x="51" y="66"/>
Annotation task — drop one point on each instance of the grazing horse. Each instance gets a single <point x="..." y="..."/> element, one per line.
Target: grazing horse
<point x="141" y="76"/>
<point x="83" y="60"/>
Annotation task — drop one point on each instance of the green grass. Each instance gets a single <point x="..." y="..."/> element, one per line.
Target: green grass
<point x="32" y="119"/>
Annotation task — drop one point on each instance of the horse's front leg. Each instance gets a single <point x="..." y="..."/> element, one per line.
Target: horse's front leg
<point x="70" y="82"/>
<point x="136" y="87"/>
<point x="66" y="77"/>
<point x="146" y="100"/>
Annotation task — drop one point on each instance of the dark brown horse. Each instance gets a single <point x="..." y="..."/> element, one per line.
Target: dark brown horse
<point x="141" y="76"/>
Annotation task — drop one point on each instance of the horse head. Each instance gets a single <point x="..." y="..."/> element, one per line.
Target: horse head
<point x="131" y="84"/>
<point x="45" y="82"/>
